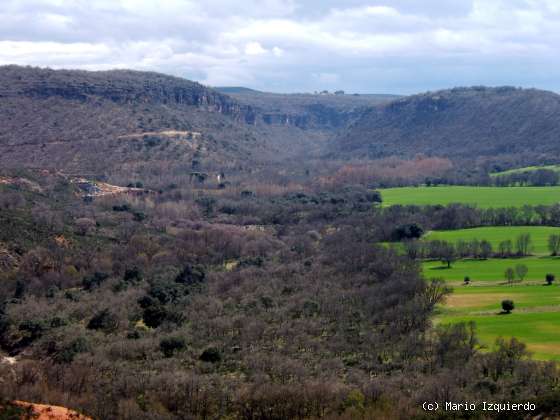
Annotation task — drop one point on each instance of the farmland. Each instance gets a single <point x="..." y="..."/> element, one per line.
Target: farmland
<point x="492" y="270"/>
<point x="495" y="234"/>
<point x="525" y="169"/>
<point x="483" y="197"/>
<point x="534" y="320"/>
<point x="537" y="307"/>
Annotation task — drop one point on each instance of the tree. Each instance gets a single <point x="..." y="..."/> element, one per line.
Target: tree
<point x="505" y="248"/>
<point x="412" y="249"/>
<point x="485" y="249"/>
<point x="170" y="345"/>
<point x="463" y="248"/>
<point x="507" y="306"/>
<point x="521" y="271"/>
<point x="104" y="321"/>
<point x="554" y="244"/>
<point x="467" y="280"/>
<point x="523" y="244"/>
<point x="191" y="275"/>
<point x="509" y="275"/>
<point x="84" y="226"/>
<point x="447" y="253"/>
<point x="407" y="231"/>
<point x="550" y="279"/>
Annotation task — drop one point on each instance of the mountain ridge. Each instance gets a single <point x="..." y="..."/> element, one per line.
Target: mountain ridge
<point x="460" y="122"/>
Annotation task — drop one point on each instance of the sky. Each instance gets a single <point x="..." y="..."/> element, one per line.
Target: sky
<point x="400" y="46"/>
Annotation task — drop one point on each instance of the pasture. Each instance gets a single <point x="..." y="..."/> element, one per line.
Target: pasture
<point x="535" y="319"/>
<point x="494" y="235"/>
<point x="525" y="169"/>
<point x="491" y="270"/>
<point x="483" y="197"/>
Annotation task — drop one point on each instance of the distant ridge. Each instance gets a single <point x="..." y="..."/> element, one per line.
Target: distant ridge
<point x="459" y="123"/>
<point x="235" y="89"/>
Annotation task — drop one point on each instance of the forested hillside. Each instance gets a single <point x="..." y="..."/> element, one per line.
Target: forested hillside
<point x="170" y="252"/>
<point x="458" y="123"/>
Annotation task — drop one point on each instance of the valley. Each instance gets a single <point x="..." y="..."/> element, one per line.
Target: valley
<point x="169" y="250"/>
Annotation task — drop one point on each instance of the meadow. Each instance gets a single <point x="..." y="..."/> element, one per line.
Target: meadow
<point x="526" y="169"/>
<point x="535" y="319"/>
<point x="483" y="197"/>
<point x="491" y="270"/>
<point x="497" y="234"/>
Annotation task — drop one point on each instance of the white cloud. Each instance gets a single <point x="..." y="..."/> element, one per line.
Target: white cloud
<point x="254" y="48"/>
<point x="397" y="45"/>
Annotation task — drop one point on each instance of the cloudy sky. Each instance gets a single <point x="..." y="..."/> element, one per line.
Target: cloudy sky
<point x="399" y="46"/>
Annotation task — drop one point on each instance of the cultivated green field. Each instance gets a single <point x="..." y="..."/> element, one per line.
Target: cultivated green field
<point x="526" y="169"/>
<point x="535" y="319"/>
<point x="494" y="235"/>
<point x="483" y="197"/>
<point x="491" y="270"/>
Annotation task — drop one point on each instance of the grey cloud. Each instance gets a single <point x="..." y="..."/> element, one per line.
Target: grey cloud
<point x="399" y="46"/>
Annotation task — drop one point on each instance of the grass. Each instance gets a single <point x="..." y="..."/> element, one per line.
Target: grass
<point x="539" y="330"/>
<point x="483" y="197"/>
<point x="494" y="235"/>
<point x="492" y="270"/>
<point x="535" y="319"/>
<point x="469" y="299"/>
<point x="526" y="169"/>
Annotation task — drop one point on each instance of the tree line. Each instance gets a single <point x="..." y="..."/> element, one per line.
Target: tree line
<point x="448" y="252"/>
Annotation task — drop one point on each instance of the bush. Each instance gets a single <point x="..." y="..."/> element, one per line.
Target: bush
<point x="95" y="280"/>
<point x="132" y="275"/>
<point x="211" y="355"/>
<point x="154" y="316"/>
<point x="104" y="321"/>
<point x="407" y="231"/>
<point x="191" y="275"/>
<point x="123" y="207"/>
<point x="170" y="345"/>
<point x="508" y="306"/>
<point x="67" y="353"/>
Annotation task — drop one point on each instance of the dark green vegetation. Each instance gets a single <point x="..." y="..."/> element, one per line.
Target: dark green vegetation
<point x="239" y="275"/>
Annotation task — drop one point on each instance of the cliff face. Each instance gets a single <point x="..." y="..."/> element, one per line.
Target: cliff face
<point x="303" y="111"/>
<point x="119" y="86"/>
<point x="65" y="119"/>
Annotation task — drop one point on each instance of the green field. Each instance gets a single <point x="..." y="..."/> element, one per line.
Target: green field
<point x="535" y="319"/>
<point x="491" y="270"/>
<point x="494" y="235"/>
<point x="526" y="169"/>
<point x="484" y="197"/>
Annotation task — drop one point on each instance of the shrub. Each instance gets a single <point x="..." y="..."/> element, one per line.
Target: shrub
<point x="67" y="353"/>
<point x="95" y="280"/>
<point x="211" y="355"/>
<point x="104" y="321"/>
<point x="507" y="306"/>
<point x="407" y="231"/>
<point x="170" y="345"/>
<point x="191" y="275"/>
<point x="132" y="275"/>
<point x="154" y="315"/>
